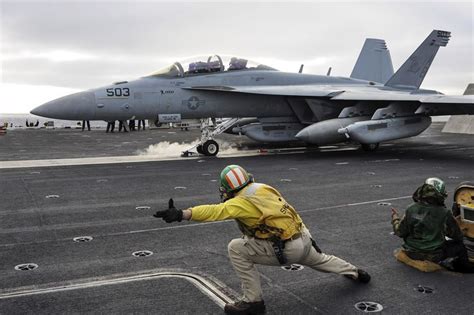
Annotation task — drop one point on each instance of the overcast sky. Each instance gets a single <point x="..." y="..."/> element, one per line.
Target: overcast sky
<point x="53" y="48"/>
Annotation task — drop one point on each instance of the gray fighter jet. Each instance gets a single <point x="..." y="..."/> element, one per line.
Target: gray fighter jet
<point x="372" y="106"/>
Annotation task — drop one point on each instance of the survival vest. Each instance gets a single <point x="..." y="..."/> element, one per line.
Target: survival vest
<point x="278" y="219"/>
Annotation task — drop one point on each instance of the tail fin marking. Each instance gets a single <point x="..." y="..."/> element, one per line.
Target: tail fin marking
<point x="413" y="71"/>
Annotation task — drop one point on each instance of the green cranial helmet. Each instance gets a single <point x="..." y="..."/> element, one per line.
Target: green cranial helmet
<point x="438" y="184"/>
<point x="233" y="178"/>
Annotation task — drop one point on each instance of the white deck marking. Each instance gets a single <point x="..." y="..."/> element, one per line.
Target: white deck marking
<point x="84" y="161"/>
<point x="387" y="160"/>
<point x="354" y="204"/>
<point x="377" y="201"/>
<point x="141" y="159"/>
<point x="202" y="224"/>
<point x="204" y="285"/>
<point x="106" y="160"/>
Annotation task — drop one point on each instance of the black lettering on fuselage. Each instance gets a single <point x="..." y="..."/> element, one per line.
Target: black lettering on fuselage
<point x="118" y="92"/>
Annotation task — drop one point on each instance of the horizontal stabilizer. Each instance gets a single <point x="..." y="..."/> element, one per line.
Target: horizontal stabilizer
<point x="413" y="71"/>
<point x="374" y="62"/>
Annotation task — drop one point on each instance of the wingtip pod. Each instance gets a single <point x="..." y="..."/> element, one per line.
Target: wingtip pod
<point x="413" y="71"/>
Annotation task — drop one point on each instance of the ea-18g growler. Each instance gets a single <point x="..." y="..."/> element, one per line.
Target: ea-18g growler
<point x="371" y="106"/>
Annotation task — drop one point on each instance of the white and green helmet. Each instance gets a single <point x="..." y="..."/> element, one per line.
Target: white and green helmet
<point x="234" y="177"/>
<point x="438" y="184"/>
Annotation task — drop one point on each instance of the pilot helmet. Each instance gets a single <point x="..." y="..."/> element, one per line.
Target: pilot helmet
<point x="232" y="179"/>
<point x="438" y="184"/>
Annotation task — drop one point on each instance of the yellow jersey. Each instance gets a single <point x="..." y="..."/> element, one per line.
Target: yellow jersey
<point x="260" y="211"/>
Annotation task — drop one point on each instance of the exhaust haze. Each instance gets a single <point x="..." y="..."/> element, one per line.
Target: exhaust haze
<point x="174" y="149"/>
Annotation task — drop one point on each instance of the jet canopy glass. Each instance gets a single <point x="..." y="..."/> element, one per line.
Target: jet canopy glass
<point x="206" y="65"/>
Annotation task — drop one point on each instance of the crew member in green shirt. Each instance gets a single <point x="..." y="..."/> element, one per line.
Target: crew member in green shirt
<point x="426" y="224"/>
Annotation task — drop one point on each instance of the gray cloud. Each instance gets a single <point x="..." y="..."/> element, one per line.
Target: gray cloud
<point x="131" y="39"/>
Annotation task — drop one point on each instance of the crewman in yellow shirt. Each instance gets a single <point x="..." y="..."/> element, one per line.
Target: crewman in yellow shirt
<point x="274" y="234"/>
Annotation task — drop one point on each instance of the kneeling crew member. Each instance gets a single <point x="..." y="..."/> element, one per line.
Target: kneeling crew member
<point x="425" y="225"/>
<point x="274" y="234"/>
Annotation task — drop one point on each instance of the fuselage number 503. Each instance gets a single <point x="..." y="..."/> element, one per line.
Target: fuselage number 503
<point x="118" y="92"/>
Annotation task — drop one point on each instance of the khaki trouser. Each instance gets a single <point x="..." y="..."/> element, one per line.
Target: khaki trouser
<point x="245" y="252"/>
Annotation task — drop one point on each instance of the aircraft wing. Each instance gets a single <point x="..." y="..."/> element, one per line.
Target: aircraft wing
<point x="277" y="90"/>
<point x="404" y="97"/>
<point x="345" y="93"/>
<point x="350" y="95"/>
<point x="448" y="99"/>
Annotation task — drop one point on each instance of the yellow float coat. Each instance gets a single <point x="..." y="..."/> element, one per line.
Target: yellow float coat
<point x="259" y="209"/>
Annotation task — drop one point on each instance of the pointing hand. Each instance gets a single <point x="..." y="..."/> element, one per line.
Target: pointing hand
<point x="171" y="214"/>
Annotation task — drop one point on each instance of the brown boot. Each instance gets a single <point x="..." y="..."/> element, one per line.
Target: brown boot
<point x="248" y="308"/>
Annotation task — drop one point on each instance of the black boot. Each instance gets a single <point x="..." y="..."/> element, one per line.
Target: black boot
<point x="248" y="308"/>
<point x="362" y="276"/>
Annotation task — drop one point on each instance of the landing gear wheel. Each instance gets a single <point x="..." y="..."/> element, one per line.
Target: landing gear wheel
<point x="210" y="148"/>
<point x="199" y="149"/>
<point x="369" y="147"/>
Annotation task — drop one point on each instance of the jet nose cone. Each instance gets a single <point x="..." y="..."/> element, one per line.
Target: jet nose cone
<point x="78" y="106"/>
<point x="303" y="135"/>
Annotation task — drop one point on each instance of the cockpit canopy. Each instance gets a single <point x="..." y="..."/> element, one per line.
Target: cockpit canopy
<point x="206" y="65"/>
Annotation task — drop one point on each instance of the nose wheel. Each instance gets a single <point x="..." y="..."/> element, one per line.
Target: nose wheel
<point x="207" y="145"/>
<point x="209" y="148"/>
<point x="199" y="149"/>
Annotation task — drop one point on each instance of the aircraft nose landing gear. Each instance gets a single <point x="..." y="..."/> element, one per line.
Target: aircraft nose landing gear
<point x="207" y="145"/>
<point x="210" y="148"/>
<point x="199" y="149"/>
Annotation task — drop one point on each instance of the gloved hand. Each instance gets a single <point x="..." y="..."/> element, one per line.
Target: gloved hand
<point x="171" y="214"/>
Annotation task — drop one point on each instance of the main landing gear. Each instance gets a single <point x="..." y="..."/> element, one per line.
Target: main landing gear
<point x="207" y="145"/>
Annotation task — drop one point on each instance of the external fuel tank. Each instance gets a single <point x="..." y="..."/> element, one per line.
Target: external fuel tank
<point x="326" y="131"/>
<point x="376" y="131"/>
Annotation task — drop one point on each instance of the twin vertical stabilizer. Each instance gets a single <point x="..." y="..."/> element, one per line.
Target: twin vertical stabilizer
<point x="413" y="71"/>
<point x="374" y="62"/>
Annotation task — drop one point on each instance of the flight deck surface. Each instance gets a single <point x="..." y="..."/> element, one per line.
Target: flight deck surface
<point x="343" y="195"/>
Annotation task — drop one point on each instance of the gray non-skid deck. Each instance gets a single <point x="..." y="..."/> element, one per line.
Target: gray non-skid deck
<point x="341" y="194"/>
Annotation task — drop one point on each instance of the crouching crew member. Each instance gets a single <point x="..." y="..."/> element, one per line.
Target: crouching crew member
<point x="425" y="225"/>
<point x="274" y="234"/>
